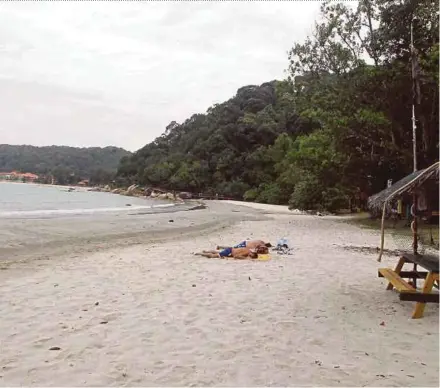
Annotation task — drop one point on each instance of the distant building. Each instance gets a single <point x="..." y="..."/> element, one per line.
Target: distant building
<point x="18" y="176"/>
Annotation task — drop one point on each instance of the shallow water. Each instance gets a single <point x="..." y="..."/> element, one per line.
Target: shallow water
<point x="32" y="200"/>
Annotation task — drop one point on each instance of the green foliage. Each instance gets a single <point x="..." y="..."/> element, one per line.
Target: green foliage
<point x="308" y="194"/>
<point x="226" y="150"/>
<point x="334" y="198"/>
<point x="67" y="165"/>
<point x="250" y="195"/>
<point x="234" y="189"/>
<point x="340" y="124"/>
<point x="270" y="193"/>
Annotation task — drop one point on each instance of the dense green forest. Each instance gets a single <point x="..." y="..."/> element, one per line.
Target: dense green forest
<point x="338" y="126"/>
<point x="67" y="165"/>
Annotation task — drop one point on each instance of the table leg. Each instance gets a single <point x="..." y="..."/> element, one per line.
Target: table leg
<point x="397" y="270"/>
<point x="415" y="277"/>
<point x="427" y="288"/>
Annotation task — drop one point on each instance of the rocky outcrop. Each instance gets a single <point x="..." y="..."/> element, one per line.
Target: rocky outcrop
<point x="185" y="195"/>
<point x="131" y="189"/>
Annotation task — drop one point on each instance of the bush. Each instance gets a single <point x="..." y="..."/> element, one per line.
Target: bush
<point x="270" y="193"/>
<point x="334" y="199"/>
<point x="234" y="189"/>
<point x="250" y="195"/>
<point x="307" y="195"/>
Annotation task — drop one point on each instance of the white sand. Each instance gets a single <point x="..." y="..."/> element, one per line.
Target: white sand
<point x="174" y="319"/>
<point x="265" y="208"/>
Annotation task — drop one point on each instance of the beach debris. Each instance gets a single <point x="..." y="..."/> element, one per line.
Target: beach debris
<point x="283" y="251"/>
<point x="336" y="367"/>
<point x="250" y="278"/>
<point x="410" y="376"/>
<point x="103" y="322"/>
<point x="170" y="220"/>
<point x="194" y="285"/>
<point x="382" y="323"/>
<point x="317" y="362"/>
<point x="198" y="207"/>
<point x="368" y="249"/>
<point x="96" y="303"/>
<point x="366" y="354"/>
<point x="128" y="204"/>
<point x="55" y="348"/>
<point x="381" y="376"/>
<point x="55" y="285"/>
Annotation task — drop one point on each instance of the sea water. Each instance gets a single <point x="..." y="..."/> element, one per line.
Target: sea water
<point x="21" y="200"/>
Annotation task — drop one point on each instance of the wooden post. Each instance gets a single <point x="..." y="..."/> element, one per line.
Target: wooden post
<point x="414" y="135"/>
<point x="414" y="230"/>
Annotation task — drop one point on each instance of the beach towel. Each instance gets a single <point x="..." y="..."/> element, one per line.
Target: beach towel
<point x="265" y="257"/>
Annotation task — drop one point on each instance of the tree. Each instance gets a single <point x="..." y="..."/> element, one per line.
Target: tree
<point x="67" y="164"/>
<point x="339" y="124"/>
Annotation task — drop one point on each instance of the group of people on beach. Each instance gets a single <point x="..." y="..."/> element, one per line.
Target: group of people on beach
<point x="249" y="249"/>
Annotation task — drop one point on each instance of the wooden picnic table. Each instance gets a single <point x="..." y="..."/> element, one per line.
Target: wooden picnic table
<point x="409" y="292"/>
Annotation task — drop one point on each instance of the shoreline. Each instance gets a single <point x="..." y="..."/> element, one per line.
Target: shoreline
<point x="41" y="238"/>
<point x="38" y="238"/>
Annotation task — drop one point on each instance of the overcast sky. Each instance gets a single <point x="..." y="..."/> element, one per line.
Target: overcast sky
<point x="116" y="73"/>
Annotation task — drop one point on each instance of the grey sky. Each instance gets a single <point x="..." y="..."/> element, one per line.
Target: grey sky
<point x="116" y="73"/>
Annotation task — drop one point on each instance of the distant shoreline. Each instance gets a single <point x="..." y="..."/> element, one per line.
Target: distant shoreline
<point x="83" y="188"/>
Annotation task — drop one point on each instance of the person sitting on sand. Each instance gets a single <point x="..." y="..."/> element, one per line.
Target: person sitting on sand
<point x="240" y="253"/>
<point x="251" y="244"/>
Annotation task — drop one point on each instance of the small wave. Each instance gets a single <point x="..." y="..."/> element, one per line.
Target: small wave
<point x="60" y="212"/>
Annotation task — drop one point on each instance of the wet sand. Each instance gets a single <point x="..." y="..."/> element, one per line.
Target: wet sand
<point x="134" y="307"/>
<point x="30" y="238"/>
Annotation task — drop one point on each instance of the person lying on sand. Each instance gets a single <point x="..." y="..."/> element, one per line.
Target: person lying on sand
<point x="251" y="244"/>
<point x="241" y="253"/>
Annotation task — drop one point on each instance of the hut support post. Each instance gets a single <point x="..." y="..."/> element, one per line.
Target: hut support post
<point x="414" y="134"/>
<point x="414" y="231"/>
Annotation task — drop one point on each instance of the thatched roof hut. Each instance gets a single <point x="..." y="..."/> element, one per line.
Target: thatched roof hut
<point x="408" y="185"/>
<point x="405" y="186"/>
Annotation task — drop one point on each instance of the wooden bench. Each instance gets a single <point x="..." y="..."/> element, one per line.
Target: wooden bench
<point x="398" y="283"/>
<point x="422" y="297"/>
<point x="410" y="274"/>
<point x="407" y="291"/>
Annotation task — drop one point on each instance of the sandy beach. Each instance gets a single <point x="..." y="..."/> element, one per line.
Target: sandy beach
<point x="124" y="302"/>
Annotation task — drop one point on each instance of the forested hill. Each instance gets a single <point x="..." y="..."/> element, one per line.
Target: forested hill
<point x="339" y="127"/>
<point x="66" y="164"/>
<point x="226" y="150"/>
